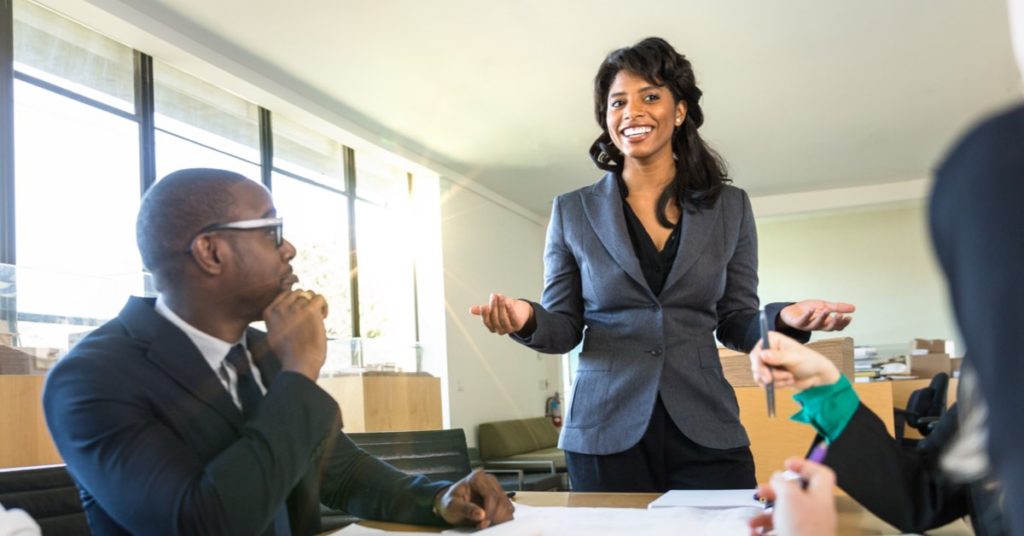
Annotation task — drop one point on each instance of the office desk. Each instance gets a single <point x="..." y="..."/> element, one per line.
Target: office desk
<point x="853" y="519"/>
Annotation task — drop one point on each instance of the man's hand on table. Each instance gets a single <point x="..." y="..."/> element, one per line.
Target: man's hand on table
<point x="476" y="500"/>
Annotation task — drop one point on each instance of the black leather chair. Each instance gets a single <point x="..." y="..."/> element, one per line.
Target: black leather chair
<point x="436" y="454"/>
<point x="924" y="409"/>
<point x="48" y="495"/>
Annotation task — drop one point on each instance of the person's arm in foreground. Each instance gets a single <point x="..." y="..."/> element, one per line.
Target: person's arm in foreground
<point x="904" y="488"/>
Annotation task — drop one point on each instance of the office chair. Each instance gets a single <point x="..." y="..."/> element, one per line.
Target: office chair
<point x="48" y="494"/>
<point x="924" y="409"/>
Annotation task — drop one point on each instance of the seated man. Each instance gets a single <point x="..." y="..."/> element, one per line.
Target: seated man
<point x="177" y="418"/>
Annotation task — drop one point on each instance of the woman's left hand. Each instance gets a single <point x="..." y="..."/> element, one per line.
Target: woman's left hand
<point x="817" y="315"/>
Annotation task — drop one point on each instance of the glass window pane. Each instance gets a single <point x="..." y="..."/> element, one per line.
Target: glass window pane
<point x="316" y="223"/>
<point x="306" y="153"/>
<point x="386" y="298"/>
<point x="174" y="153"/>
<point x="379" y="180"/>
<point x="77" y="193"/>
<point x="48" y="333"/>
<point x="204" y="113"/>
<point x="63" y="52"/>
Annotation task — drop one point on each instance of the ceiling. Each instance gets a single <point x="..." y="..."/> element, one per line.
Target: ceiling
<point x="799" y="95"/>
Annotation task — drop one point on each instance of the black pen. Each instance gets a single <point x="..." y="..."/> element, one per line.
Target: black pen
<point x="769" y="388"/>
<point x="511" y="494"/>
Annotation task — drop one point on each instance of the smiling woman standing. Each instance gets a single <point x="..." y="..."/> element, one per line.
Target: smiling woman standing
<point x="646" y="266"/>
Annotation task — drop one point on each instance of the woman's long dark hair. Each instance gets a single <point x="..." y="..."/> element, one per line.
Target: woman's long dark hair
<point x="700" y="172"/>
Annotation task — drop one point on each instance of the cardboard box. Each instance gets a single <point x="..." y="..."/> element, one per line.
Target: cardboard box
<point x="928" y="365"/>
<point x="933" y="346"/>
<point x="954" y="366"/>
<point x="27" y="360"/>
<point x="736" y="365"/>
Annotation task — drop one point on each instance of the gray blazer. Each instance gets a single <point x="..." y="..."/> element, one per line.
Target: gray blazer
<point x="636" y="344"/>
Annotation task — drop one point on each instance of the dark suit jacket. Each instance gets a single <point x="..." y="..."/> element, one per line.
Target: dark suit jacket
<point x="157" y="446"/>
<point x="977" y="223"/>
<point x="907" y="488"/>
<point x="636" y="344"/>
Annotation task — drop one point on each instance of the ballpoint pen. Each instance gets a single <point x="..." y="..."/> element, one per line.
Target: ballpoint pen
<point x="769" y="388"/>
<point x="817" y="455"/>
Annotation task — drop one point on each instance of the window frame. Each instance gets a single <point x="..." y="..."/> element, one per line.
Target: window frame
<point x="144" y="116"/>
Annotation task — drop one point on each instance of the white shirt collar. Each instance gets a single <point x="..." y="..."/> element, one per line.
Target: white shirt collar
<point x="213" y="350"/>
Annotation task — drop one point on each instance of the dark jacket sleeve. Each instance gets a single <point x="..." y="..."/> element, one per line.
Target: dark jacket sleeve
<point x="370" y="488"/>
<point x="559" y="316"/>
<point x="904" y="488"/>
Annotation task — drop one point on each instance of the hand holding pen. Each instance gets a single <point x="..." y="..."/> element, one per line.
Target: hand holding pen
<point x="787" y="363"/>
<point x="764" y="492"/>
<point x="804" y="505"/>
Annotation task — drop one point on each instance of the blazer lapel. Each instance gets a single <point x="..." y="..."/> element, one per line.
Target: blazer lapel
<point x="173" y="352"/>
<point x="602" y="204"/>
<point x="697" y="227"/>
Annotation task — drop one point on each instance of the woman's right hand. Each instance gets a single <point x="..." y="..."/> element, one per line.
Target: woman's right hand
<point x="790" y="363"/>
<point x="503" y="315"/>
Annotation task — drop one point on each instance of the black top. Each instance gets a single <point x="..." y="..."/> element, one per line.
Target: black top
<point x="654" y="264"/>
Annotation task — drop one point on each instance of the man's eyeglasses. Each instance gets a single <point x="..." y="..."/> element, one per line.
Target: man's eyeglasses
<point x="274" y="225"/>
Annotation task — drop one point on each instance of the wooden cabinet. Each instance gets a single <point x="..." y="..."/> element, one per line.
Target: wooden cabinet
<point x="24" y="439"/>
<point x="386" y="402"/>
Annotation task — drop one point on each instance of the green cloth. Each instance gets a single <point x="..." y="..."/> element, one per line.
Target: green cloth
<point x="828" y="408"/>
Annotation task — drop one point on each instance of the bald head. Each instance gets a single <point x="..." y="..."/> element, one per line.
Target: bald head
<point x="172" y="213"/>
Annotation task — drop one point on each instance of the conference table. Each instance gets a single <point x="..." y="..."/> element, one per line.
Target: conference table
<point x="853" y="518"/>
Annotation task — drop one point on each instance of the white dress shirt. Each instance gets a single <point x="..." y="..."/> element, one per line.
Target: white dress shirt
<point x="214" y="351"/>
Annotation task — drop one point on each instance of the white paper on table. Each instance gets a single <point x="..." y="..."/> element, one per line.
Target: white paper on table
<point x="707" y="498"/>
<point x="359" y="530"/>
<point x="578" y="521"/>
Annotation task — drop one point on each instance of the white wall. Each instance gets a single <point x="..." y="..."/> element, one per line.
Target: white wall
<point x="489" y="248"/>
<point x="878" y="258"/>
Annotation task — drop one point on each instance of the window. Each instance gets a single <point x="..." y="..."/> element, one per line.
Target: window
<point x="78" y="188"/>
<point x="309" y="193"/>
<point x="384" y="231"/>
<point x="54" y="49"/>
<point x="200" y="125"/>
<point x="316" y="222"/>
<point x="77" y="177"/>
<point x="302" y="152"/>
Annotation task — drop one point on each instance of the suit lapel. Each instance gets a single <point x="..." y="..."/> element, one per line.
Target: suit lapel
<point x="172" y="351"/>
<point x="696" y="229"/>
<point x="602" y="204"/>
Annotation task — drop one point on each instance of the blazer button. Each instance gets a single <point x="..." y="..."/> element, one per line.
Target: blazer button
<point x="656" y="352"/>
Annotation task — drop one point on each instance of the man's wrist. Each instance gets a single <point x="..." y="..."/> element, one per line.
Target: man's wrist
<point x="436" y="508"/>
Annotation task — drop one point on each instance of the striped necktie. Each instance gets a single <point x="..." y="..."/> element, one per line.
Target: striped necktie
<point x="248" y="392"/>
<point x="251" y="396"/>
